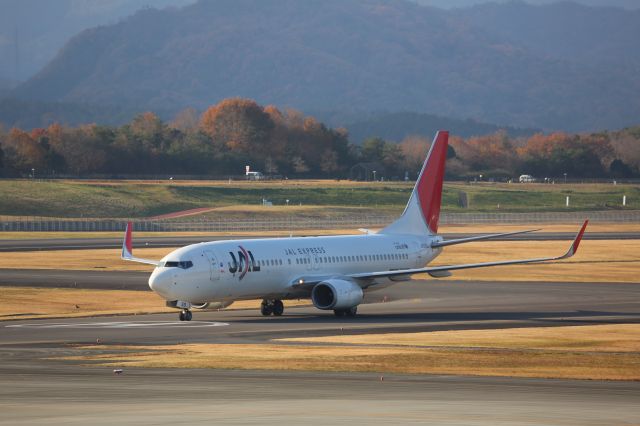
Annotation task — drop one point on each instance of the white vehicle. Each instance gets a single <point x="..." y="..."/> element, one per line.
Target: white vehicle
<point x="254" y="175"/>
<point x="334" y="272"/>
<point x="527" y="179"/>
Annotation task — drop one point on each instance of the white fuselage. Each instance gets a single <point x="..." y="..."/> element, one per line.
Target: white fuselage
<point x="262" y="268"/>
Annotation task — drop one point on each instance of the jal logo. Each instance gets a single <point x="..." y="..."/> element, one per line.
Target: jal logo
<point x="243" y="263"/>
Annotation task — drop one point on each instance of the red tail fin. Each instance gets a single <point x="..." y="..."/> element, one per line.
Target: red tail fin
<point x="429" y="185"/>
<point x="422" y="213"/>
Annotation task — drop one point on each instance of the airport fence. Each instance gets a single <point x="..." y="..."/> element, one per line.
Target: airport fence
<point x="292" y="223"/>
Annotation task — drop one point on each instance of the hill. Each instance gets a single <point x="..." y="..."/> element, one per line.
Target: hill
<point x="399" y="125"/>
<point x="363" y="55"/>
<point x="41" y="27"/>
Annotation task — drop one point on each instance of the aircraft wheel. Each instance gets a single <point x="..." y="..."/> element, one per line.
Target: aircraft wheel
<point x="338" y="312"/>
<point x="278" y="308"/>
<point x="188" y="315"/>
<point x="182" y="316"/>
<point x="266" y="308"/>
<point x="351" y="312"/>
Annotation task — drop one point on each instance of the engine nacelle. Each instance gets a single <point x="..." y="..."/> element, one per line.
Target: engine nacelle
<point x="336" y="294"/>
<point x="212" y="306"/>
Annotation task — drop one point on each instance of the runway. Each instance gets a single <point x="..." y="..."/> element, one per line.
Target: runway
<point x="60" y="395"/>
<point x="142" y="242"/>
<point x="37" y="386"/>
<point x="57" y="278"/>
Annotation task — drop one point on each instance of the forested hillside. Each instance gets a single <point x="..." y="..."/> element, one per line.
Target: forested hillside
<point x="491" y="63"/>
<point x="286" y="143"/>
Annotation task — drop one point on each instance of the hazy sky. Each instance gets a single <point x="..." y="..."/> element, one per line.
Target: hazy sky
<point x="448" y="4"/>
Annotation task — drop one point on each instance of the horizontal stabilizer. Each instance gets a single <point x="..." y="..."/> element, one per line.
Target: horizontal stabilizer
<point x="478" y="238"/>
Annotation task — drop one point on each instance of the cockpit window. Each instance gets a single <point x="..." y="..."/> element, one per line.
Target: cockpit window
<point x="183" y="264"/>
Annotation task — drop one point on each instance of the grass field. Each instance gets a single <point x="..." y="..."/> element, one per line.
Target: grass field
<point x="608" y="352"/>
<point x="596" y="261"/>
<point x="148" y="198"/>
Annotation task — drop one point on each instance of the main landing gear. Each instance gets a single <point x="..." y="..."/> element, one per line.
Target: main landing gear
<point x="272" y="306"/>
<point x="185" y="315"/>
<point x="349" y="312"/>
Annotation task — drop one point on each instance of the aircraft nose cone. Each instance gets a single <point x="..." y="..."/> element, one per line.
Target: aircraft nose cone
<point x="160" y="283"/>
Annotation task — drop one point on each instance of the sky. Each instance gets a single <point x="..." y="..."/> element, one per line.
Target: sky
<point x="448" y="4"/>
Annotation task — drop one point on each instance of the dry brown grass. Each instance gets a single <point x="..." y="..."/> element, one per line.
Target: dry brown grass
<point x="596" y="261"/>
<point x="599" y="338"/>
<point x="492" y="359"/>
<point x="100" y="259"/>
<point x="28" y="303"/>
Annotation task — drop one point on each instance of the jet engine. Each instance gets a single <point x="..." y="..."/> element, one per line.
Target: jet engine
<point x="336" y="294"/>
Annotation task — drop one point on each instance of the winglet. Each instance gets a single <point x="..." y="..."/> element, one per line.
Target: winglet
<point x="127" y="245"/>
<point x="127" y="248"/>
<point x="574" y="247"/>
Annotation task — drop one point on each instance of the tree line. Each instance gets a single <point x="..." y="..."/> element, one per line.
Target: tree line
<point x="238" y="132"/>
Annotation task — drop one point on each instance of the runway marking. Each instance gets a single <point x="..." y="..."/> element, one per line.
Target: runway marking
<point x="124" y="324"/>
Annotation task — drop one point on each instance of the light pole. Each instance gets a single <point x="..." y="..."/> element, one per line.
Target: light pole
<point x="565" y="178"/>
<point x="33" y="173"/>
<point x="374" y="175"/>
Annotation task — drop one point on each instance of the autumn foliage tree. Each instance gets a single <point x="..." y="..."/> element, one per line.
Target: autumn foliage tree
<point x="559" y="153"/>
<point x="238" y="132"/>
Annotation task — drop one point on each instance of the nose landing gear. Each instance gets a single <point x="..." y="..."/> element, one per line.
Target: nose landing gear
<point x="185" y="315"/>
<point x="272" y="306"/>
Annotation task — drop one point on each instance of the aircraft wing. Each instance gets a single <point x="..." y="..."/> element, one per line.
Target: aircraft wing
<point x="442" y="270"/>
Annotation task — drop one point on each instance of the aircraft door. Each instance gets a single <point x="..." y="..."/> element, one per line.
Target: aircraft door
<point x="418" y="254"/>
<point x="214" y="265"/>
<point x="309" y="261"/>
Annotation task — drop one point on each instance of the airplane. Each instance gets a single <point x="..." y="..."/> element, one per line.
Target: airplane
<point x="333" y="271"/>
